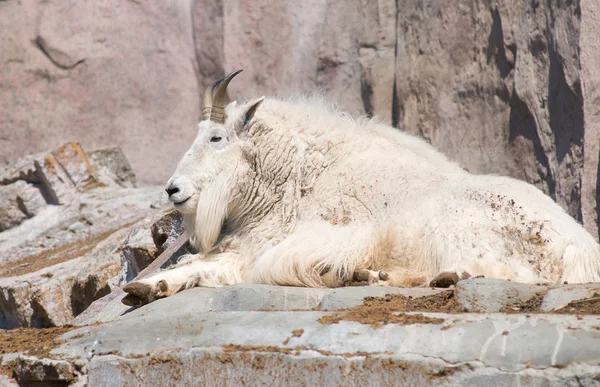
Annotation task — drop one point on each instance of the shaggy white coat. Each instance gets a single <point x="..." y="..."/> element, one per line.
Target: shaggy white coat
<point x="305" y="195"/>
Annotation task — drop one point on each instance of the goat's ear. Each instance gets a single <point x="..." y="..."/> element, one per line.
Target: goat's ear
<point x="249" y="113"/>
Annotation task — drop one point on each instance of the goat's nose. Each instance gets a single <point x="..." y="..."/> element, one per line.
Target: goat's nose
<point x="171" y="190"/>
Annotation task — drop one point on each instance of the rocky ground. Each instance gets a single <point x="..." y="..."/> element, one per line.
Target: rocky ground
<point x="483" y="332"/>
<point x="77" y="227"/>
<point x="73" y="227"/>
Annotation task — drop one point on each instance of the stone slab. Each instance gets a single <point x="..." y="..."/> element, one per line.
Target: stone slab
<point x="562" y="296"/>
<point x="166" y="342"/>
<point x="489" y="295"/>
<point x="233" y="335"/>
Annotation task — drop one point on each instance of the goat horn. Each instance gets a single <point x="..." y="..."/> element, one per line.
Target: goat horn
<point x="217" y="113"/>
<point x="207" y="101"/>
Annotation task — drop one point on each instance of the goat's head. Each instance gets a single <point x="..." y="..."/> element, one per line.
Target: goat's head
<point x="202" y="182"/>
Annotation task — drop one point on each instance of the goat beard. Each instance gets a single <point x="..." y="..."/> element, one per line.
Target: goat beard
<point x="211" y="213"/>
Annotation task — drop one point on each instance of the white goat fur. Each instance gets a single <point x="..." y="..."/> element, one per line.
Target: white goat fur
<point x="304" y="195"/>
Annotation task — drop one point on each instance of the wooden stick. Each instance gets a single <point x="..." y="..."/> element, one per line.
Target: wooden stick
<point x="162" y="258"/>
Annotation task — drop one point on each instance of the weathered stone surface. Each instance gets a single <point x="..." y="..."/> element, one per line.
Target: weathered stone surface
<point x="19" y="201"/>
<point x="139" y="249"/>
<point x="33" y="370"/>
<point x="490" y="295"/>
<point x="239" y="331"/>
<point x="589" y="57"/>
<point x="166" y="230"/>
<point x="61" y="258"/>
<point x="562" y="296"/>
<point x="103" y="73"/>
<point x="21" y="169"/>
<point x="249" y="297"/>
<point x="75" y="163"/>
<point x="253" y="297"/>
<point x="51" y="288"/>
<point x="8" y="382"/>
<point x="463" y="349"/>
<point x="112" y="167"/>
<point x="31" y="183"/>
<point x="248" y="367"/>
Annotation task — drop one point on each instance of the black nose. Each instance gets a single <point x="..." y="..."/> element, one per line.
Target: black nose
<point x="171" y="190"/>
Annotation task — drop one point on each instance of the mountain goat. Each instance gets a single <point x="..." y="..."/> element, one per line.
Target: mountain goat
<point x="294" y="192"/>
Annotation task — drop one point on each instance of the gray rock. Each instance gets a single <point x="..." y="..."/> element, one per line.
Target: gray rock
<point x="460" y="349"/>
<point x="21" y="169"/>
<point x="112" y="167"/>
<point x="35" y="181"/>
<point x="51" y="288"/>
<point x="5" y="380"/>
<point x="264" y="297"/>
<point x="562" y="296"/>
<point x="19" y="201"/>
<point x="139" y="249"/>
<point x="166" y="230"/>
<point x="241" y="331"/>
<point x="10" y="213"/>
<point x="253" y="297"/>
<point x="34" y="370"/>
<point x="61" y="258"/>
<point x="491" y="295"/>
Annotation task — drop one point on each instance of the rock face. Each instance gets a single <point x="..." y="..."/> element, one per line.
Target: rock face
<point x="67" y="233"/>
<point x="331" y="337"/>
<point x="103" y="73"/>
<point x="506" y="87"/>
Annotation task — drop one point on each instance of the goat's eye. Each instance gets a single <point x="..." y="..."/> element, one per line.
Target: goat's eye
<point x="215" y="139"/>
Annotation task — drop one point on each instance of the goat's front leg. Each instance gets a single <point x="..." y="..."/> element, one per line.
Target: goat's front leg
<point x="218" y="270"/>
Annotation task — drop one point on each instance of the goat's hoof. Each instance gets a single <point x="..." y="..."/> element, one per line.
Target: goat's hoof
<point x="447" y="279"/>
<point x="370" y="278"/>
<point x="131" y="300"/>
<point x="138" y="294"/>
<point x="361" y="276"/>
<point x="161" y="288"/>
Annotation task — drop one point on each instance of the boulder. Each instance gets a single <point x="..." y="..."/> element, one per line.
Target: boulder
<point x="48" y="371"/>
<point x="139" y="249"/>
<point x="113" y="167"/>
<point x="166" y="230"/>
<point x="19" y="201"/>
